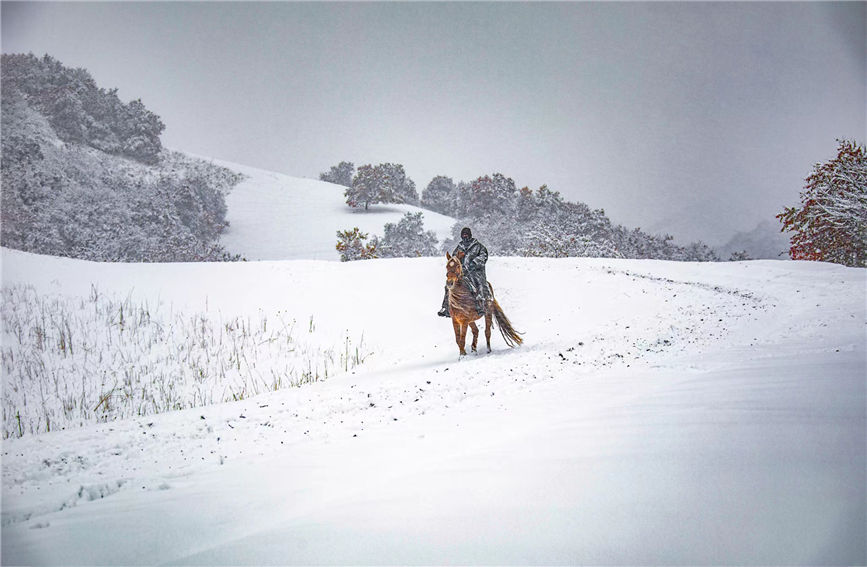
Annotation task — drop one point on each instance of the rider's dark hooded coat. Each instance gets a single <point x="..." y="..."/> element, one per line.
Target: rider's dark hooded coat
<point x="475" y="257"/>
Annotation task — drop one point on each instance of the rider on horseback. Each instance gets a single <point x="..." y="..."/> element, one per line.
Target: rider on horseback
<point x="475" y="255"/>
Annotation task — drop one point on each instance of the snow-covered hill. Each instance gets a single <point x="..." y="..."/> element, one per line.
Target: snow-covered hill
<point x="658" y="413"/>
<point x="277" y="217"/>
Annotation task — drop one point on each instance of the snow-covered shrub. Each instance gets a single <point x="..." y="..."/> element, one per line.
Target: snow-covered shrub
<point x="352" y="245"/>
<point x="407" y="238"/>
<point x="831" y="223"/>
<point x="699" y="252"/>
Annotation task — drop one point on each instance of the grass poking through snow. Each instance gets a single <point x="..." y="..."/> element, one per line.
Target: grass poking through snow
<point x="68" y="362"/>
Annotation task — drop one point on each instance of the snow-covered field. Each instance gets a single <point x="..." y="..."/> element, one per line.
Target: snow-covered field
<point x="658" y="412"/>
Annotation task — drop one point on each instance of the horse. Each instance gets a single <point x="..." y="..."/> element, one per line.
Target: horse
<point x="462" y="307"/>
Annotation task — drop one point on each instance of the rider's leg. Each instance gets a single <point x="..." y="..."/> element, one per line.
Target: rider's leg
<point x="444" y="311"/>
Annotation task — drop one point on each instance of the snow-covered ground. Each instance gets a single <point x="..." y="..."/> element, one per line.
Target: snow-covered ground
<point x="658" y="412"/>
<point x="273" y="216"/>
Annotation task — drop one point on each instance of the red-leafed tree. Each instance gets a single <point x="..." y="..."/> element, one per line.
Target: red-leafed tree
<point x="831" y="224"/>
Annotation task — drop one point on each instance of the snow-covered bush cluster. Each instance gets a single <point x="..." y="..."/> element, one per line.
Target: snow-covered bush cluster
<point x="81" y="196"/>
<point x="831" y="223"/>
<point x="522" y="222"/>
<point x="406" y="238"/>
<point x="510" y="221"/>
<point x="71" y="361"/>
<point x="80" y="111"/>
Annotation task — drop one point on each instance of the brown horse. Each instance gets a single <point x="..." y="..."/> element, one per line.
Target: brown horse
<point x="462" y="307"/>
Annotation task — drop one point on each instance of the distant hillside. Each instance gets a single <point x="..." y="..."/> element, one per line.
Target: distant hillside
<point x="766" y="241"/>
<point x="687" y="223"/>
<point x="278" y="217"/>
<point x="85" y="176"/>
<point x="512" y="221"/>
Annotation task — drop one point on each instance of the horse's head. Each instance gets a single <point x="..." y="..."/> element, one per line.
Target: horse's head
<point x="454" y="270"/>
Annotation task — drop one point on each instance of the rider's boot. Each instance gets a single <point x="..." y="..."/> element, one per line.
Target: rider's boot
<point x="480" y="304"/>
<point x="444" y="311"/>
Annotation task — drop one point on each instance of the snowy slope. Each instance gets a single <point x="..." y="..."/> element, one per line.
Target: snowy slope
<point x="277" y="217"/>
<point x="658" y="413"/>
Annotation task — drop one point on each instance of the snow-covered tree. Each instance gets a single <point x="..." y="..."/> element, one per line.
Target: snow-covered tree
<point x="460" y="205"/>
<point x="526" y="208"/>
<point x="352" y="245"/>
<point x="365" y="189"/>
<point x="396" y="186"/>
<point x="384" y="183"/>
<point x="831" y="223"/>
<point x="408" y="238"/>
<point x="489" y="195"/>
<point x="439" y="194"/>
<point x="340" y="174"/>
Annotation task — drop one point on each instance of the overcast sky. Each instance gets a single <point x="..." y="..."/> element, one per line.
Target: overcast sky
<point x="698" y="119"/>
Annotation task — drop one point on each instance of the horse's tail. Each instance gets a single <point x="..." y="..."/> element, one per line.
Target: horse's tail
<point x="510" y="335"/>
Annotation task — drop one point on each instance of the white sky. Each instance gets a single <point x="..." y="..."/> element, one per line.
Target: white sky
<point x="698" y="119"/>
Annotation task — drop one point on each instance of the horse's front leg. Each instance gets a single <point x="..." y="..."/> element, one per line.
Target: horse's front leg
<point x="475" y="330"/>
<point x="460" y="334"/>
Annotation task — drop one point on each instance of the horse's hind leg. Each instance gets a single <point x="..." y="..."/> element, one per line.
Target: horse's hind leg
<point x="488" y="326"/>
<point x="475" y="330"/>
